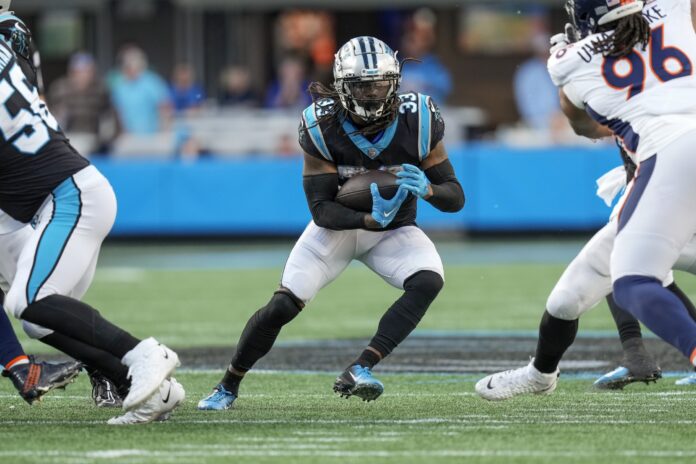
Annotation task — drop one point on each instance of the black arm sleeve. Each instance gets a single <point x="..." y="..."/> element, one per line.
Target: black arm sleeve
<point x="448" y="195"/>
<point x="321" y="192"/>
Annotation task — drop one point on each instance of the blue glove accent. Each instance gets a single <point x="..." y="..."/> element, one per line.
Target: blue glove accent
<point x="384" y="211"/>
<point x="414" y="180"/>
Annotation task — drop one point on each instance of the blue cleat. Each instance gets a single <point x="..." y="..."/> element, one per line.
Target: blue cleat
<point x="689" y="380"/>
<point x="358" y="381"/>
<point x="219" y="400"/>
<point x="622" y="376"/>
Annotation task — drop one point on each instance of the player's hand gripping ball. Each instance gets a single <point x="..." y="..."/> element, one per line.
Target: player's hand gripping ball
<point x="384" y="211"/>
<point x="414" y="180"/>
<point x="356" y="194"/>
<point x="373" y="192"/>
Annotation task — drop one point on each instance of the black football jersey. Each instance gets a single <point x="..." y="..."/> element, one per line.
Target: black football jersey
<point x="418" y="128"/>
<point x="35" y="155"/>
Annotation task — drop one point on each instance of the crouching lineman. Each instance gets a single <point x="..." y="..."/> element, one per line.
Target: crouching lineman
<point x="607" y="88"/>
<point x="71" y="207"/>
<point x="360" y="124"/>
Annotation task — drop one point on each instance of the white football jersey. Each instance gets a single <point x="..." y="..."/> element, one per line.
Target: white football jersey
<point x="648" y="98"/>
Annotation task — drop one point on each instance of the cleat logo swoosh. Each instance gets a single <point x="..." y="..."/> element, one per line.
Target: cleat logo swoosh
<point x="388" y="214"/>
<point x="169" y="392"/>
<point x="490" y="384"/>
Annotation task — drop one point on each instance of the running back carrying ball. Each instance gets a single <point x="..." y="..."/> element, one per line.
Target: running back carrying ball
<point x="355" y="193"/>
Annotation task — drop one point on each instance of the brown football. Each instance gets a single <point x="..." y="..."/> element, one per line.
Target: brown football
<point x="355" y="192"/>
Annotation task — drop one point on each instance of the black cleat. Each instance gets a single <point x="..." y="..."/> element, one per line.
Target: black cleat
<point x="637" y="366"/>
<point x="358" y="381"/>
<point x="104" y="391"/>
<point x="34" y="380"/>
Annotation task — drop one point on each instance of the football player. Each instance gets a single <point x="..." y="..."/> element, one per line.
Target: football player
<point x="14" y="236"/>
<point x="71" y="208"/>
<point x="361" y="123"/>
<point x="628" y="72"/>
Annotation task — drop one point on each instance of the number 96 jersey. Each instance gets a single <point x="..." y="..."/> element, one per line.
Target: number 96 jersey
<point x="417" y="129"/>
<point x="35" y="156"/>
<point x="647" y="98"/>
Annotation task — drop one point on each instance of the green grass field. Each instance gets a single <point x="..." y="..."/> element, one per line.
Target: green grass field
<point x="295" y="418"/>
<point x="210" y="307"/>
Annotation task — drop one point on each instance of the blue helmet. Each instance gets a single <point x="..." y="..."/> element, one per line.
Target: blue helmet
<point x="16" y="34"/>
<point x="586" y="16"/>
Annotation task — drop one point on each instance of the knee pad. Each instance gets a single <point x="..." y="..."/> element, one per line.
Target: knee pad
<point x="15" y="302"/>
<point x="427" y="282"/>
<point x="35" y="331"/>
<point x="564" y="304"/>
<point x="282" y="309"/>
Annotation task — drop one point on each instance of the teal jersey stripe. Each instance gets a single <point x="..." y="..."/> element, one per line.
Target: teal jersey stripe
<point x="371" y="150"/>
<point x="424" y="129"/>
<point x="315" y="134"/>
<point x="67" y="208"/>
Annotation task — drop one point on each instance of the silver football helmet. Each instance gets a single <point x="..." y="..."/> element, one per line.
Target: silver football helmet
<point x="367" y="75"/>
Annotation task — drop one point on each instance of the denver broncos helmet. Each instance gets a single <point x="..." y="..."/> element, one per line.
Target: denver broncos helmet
<point x="587" y="15"/>
<point x="367" y="75"/>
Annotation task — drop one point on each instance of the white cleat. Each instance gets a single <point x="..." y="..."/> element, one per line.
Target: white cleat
<point x="149" y="363"/>
<point x="525" y="380"/>
<point x="158" y="406"/>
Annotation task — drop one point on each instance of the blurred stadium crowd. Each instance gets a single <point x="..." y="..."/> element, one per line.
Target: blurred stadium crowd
<point x="177" y="78"/>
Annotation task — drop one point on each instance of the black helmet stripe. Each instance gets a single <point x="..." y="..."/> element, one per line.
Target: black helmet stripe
<point x="363" y="48"/>
<point x="373" y="52"/>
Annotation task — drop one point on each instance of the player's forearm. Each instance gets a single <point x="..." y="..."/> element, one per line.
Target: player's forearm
<point x="589" y="128"/>
<point x="447" y="192"/>
<point x="321" y="191"/>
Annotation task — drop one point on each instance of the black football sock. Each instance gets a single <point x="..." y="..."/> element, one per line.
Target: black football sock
<point x="405" y="314"/>
<point x="368" y="358"/>
<point x="94" y="359"/>
<point x="684" y="299"/>
<point x="627" y="325"/>
<point x="79" y="321"/>
<point x="263" y="328"/>
<point x="231" y="382"/>
<point x="555" y="337"/>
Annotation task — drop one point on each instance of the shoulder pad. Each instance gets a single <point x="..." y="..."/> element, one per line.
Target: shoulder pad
<point x="562" y="64"/>
<point x="310" y="124"/>
<point x="430" y="125"/>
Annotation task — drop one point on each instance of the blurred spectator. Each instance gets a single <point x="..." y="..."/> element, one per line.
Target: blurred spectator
<point x="236" y="90"/>
<point x="430" y="76"/>
<point x="81" y="103"/>
<point x="141" y="96"/>
<point x="186" y="93"/>
<point x="289" y="90"/>
<point x="535" y="94"/>
<point x="308" y="33"/>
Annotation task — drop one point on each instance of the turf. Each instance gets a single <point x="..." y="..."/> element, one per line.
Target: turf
<point x="210" y="307"/>
<point x="294" y="418"/>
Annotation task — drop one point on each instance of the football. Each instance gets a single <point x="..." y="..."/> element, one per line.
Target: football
<point x="355" y="193"/>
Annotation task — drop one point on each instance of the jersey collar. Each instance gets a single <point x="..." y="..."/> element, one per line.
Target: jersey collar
<point x="369" y="149"/>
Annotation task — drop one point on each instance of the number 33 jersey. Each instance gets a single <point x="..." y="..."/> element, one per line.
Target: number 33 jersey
<point x="417" y="129"/>
<point x="648" y="98"/>
<point x="35" y="156"/>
